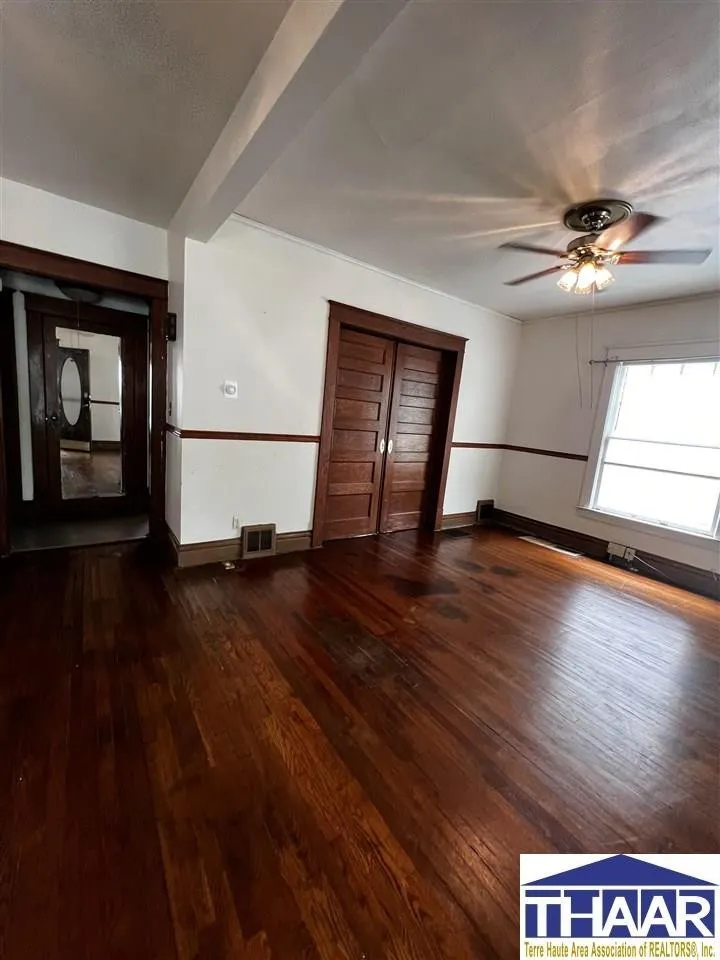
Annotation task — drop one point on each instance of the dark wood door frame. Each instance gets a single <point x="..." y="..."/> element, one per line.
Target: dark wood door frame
<point x="343" y="315"/>
<point x="155" y="292"/>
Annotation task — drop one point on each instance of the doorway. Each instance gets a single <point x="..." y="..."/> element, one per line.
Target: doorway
<point x="153" y="292"/>
<point x="76" y="415"/>
<point x="389" y="407"/>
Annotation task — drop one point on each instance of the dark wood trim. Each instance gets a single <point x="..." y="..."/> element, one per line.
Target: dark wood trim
<point x="451" y="521"/>
<point x="546" y="453"/>
<point x="158" y="412"/>
<point x="342" y="315"/>
<point x="511" y="446"/>
<point x="321" y="480"/>
<point x="93" y="318"/>
<point x="155" y="292"/>
<point x="105" y="446"/>
<point x="222" y="551"/>
<point x="185" y="434"/>
<point x="36" y="371"/>
<point x="370" y="322"/>
<point x="478" y="446"/>
<point x="4" y="520"/>
<point x="10" y="447"/>
<point x="704" y="582"/>
<point x="42" y="263"/>
<point x="453" y="370"/>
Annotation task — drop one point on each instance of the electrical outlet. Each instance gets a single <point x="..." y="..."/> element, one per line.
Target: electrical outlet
<point x="236" y="523"/>
<point x="629" y="553"/>
<point x="616" y="549"/>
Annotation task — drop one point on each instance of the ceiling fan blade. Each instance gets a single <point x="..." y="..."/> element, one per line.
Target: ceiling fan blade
<point x="530" y="248"/>
<point x="664" y="256"/>
<point x="533" y="276"/>
<point x="615" y="237"/>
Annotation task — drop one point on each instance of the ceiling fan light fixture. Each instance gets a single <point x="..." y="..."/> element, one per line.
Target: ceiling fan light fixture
<point x="603" y="277"/>
<point x="568" y="279"/>
<point x="586" y="277"/>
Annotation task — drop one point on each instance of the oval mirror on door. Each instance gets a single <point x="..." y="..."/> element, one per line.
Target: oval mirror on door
<point x="71" y="394"/>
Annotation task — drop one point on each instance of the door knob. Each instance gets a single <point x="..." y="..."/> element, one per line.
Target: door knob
<point x="382" y="445"/>
<point x="390" y="446"/>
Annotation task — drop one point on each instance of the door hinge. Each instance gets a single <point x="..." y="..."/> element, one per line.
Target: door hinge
<point x="171" y="327"/>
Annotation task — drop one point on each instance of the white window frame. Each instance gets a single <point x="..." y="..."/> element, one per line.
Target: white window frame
<point x="608" y="399"/>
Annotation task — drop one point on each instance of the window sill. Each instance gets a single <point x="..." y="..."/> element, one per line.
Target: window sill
<point x="656" y="530"/>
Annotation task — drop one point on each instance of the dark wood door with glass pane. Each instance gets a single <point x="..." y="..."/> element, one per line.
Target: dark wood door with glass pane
<point x="412" y="437"/>
<point x="89" y="409"/>
<point x="359" y="425"/>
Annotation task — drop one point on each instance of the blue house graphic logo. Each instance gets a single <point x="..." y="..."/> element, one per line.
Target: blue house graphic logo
<point x="619" y="897"/>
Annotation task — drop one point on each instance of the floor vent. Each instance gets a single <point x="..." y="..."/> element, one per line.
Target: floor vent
<point x="259" y="540"/>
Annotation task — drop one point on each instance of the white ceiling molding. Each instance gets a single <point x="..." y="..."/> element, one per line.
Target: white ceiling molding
<point x="254" y="225"/>
<point x="315" y="48"/>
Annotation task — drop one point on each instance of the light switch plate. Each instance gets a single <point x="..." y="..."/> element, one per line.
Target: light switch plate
<point x="230" y="390"/>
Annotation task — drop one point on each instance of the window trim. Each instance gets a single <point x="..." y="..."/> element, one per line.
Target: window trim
<point x="608" y="401"/>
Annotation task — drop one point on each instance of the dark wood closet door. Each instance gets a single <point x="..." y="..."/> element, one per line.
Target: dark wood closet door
<point x="359" y="426"/>
<point x="414" y="420"/>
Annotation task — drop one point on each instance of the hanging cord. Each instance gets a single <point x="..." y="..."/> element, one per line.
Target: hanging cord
<point x="592" y="350"/>
<point x="577" y="359"/>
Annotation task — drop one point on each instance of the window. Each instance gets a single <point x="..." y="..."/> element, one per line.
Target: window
<point x="659" y="459"/>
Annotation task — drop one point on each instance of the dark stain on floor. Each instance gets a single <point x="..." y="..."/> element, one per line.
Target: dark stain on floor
<point x="361" y="655"/>
<point x="505" y="571"/>
<point x="451" y="611"/>
<point x="422" y="588"/>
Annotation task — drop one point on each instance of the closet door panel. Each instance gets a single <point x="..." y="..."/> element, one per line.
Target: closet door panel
<point x="359" y="427"/>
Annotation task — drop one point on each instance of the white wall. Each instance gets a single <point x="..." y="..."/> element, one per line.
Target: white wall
<point x="255" y="311"/>
<point x="554" y="408"/>
<point x="43" y="220"/>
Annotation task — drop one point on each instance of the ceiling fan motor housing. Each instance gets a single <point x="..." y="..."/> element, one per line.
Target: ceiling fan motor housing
<point x="595" y="216"/>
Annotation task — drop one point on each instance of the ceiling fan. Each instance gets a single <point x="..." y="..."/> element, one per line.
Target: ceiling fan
<point x="607" y="226"/>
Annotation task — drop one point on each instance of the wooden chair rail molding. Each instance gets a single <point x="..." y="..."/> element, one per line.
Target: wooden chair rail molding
<point x="186" y="434"/>
<point x="511" y="446"/>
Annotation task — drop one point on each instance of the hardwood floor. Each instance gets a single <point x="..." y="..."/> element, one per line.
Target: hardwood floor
<point x="95" y="474"/>
<point x="338" y="754"/>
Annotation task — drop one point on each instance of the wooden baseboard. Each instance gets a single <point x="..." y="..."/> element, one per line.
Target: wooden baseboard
<point x="221" y="551"/>
<point x="451" y="521"/>
<point x="704" y="582"/>
<point x="106" y="446"/>
<point x="570" y="539"/>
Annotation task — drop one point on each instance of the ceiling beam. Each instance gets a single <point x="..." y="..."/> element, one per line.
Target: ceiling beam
<point x="315" y="48"/>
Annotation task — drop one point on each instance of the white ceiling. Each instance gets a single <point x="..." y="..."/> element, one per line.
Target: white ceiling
<point x="471" y="123"/>
<point x="118" y="103"/>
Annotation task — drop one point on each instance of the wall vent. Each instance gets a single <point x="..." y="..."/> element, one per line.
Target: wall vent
<point x="259" y="541"/>
<point x="484" y="511"/>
